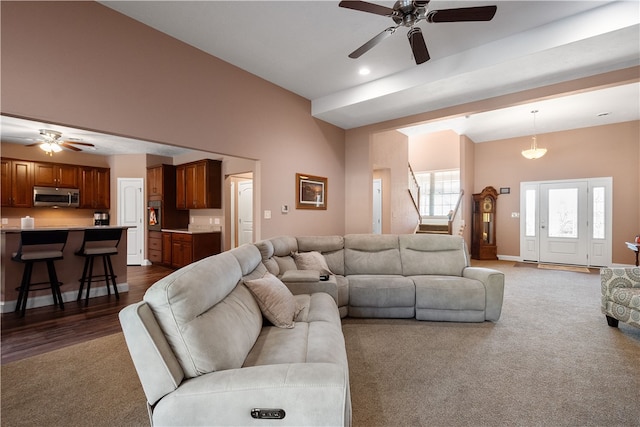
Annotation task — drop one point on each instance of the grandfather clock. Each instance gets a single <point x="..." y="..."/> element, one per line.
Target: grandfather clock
<point x="483" y="231"/>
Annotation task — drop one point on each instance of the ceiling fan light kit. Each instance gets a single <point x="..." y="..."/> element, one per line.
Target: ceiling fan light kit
<point x="52" y="143"/>
<point x="408" y="13"/>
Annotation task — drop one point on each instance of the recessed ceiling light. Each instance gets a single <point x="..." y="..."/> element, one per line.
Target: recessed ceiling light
<point x="364" y="71"/>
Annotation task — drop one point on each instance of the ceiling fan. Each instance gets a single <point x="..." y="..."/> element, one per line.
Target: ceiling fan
<point x="51" y="142"/>
<point x="407" y="13"/>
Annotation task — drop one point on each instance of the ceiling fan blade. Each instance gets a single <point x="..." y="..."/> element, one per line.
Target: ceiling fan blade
<point x="371" y="43"/>
<point x="86" y="144"/>
<point x="69" y="147"/>
<point x="34" y="144"/>
<point x="464" y="14"/>
<point x="418" y="45"/>
<point x="364" y="6"/>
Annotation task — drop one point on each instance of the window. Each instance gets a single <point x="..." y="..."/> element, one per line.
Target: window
<point x="439" y="191"/>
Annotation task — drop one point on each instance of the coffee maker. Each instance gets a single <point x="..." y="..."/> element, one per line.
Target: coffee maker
<point x="100" y="218"/>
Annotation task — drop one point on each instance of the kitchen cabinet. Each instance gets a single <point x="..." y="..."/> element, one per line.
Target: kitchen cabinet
<point x="155" y="182"/>
<point x="55" y="175"/>
<point x="155" y="247"/>
<point x="166" y="243"/>
<point x="17" y="187"/>
<point x="180" y="249"/>
<point x="95" y="187"/>
<point x="199" y="185"/>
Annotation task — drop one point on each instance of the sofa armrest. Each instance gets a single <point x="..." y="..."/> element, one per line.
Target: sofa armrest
<point x="156" y="365"/>
<point x="310" y="283"/>
<point x="309" y="393"/>
<point x="625" y="277"/>
<point x="300" y="276"/>
<point x="493" y="281"/>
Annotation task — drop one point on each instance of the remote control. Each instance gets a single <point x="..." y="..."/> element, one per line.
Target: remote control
<point x="268" y="414"/>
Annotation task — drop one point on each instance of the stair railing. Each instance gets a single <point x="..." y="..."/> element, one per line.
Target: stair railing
<point x="455" y="218"/>
<point x="414" y="192"/>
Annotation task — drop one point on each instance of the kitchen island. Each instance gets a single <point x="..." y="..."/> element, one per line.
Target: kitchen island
<point x="69" y="269"/>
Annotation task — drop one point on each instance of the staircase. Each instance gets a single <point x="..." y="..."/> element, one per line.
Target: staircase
<point x="439" y="225"/>
<point x="426" y="228"/>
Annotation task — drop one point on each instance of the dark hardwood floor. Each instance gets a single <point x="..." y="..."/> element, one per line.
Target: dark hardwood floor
<point x="48" y="328"/>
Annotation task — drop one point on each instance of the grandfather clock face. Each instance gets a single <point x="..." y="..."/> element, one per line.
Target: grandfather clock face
<point x="487" y="204"/>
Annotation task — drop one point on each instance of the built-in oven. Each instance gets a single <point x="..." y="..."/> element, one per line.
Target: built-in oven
<point x="154" y="215"/>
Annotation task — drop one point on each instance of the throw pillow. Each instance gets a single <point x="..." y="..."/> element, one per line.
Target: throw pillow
<point x="311" y="261"/>
<point x="275" y="300"/>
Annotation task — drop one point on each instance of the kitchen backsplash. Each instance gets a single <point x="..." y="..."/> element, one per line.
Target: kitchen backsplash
<point x="47" y="217"/>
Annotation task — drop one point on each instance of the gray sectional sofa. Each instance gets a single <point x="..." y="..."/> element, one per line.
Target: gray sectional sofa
<point x="223" y="341"/>
<point x="398" y="276"/>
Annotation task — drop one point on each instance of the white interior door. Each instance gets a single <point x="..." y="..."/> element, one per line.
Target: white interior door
<point x="131" y="214"/>
<point x="377" y="207"/>
<point x="245" y="211"/>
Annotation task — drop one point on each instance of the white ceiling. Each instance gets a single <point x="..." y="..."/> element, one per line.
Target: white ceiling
<point x="302" y="46"/>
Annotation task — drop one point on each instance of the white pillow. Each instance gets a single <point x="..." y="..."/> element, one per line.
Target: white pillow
<point x="311" y="261"/>
<point x="276" y="301"/>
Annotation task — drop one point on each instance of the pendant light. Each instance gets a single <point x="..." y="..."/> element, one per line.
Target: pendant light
<point x="534" y="152"/>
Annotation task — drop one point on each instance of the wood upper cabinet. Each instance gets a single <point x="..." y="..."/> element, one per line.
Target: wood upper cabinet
<point x="95" y="188"/>
<point x="155" y="183"/>
<point x="55" y="175"/>
<point x="17" y="187"/>
<point x="199" y="185"/>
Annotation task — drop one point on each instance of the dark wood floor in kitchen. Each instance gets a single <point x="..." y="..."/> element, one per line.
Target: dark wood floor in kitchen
<point x="48" y="328"/>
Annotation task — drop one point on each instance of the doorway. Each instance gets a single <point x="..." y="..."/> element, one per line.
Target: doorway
<point x="567" y="222"/>
<point x="241" y="209"/>
<point x="131" y="214"/>
<point x="377" y="206"/>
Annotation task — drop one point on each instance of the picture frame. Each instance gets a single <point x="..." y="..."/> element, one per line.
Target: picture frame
<point x="311" y="192"/>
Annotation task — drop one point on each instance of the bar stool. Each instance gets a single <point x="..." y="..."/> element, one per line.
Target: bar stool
<point x="39" y="246"/>
<point x="99" y="243"/>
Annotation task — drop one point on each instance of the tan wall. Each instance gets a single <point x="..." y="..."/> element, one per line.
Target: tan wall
<point x="390" y="151"/>
<point x="108" y="73"/>
<point x="435" y="151"/>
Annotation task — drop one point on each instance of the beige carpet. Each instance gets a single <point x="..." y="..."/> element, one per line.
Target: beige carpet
<point x="89" y="384"/>
<point x="551" y="360"/>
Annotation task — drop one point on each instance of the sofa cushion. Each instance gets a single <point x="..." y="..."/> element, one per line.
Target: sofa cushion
<point x="209" y="319"/>
<point x="275" y="300"/>
<point x="449" y="292"/>
<point x="311" y="261"/>
<point x="432" y="254"/>
<point x="371" y="254"/>
<point x="382" y="295"/>
<point x="316" y="338"/>
<point x="331" y="248"/>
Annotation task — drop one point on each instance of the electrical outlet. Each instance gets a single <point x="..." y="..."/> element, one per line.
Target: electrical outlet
<point x="216" y="221"/>
<point x="210" y="220"/>
<point x="267" y="214"/>
<point x="5" y="221"/>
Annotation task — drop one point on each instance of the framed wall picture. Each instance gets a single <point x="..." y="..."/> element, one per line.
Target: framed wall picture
<point x="311" y="192"/>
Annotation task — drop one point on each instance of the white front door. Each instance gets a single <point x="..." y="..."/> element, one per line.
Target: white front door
<point x="131" y="214"/>
<point x="566" y="222"/>
<point x="563" y="223"/>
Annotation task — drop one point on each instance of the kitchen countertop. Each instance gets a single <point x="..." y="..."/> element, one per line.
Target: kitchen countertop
<point x="188" y="231"/>
<point x="5" y="230"/>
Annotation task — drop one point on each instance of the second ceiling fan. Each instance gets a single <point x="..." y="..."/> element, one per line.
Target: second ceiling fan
<point x="407" y="13"/>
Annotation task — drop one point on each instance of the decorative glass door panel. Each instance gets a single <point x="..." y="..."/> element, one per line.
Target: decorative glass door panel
<point x="563" y="223"/>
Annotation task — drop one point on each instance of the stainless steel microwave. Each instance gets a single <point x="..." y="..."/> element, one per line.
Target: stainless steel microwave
<point x="56" y="197"/>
